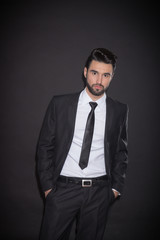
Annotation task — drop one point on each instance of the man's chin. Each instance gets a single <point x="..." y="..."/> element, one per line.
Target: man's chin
<point x="98" y="93"/>
<point x="95" y="92"/>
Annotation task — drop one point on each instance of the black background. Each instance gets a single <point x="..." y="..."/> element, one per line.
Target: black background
<point x="44" y="45"/>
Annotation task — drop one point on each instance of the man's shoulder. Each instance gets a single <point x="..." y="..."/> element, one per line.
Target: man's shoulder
<point x="66" y="98"/>
<point x="67" y="95"/>
<point x="117" y="104"/>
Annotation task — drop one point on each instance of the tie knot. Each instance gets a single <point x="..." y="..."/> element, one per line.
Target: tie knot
<point x="93" y="105"/>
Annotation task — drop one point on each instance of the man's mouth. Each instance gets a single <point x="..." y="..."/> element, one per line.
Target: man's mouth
<point x="98" y="87"/>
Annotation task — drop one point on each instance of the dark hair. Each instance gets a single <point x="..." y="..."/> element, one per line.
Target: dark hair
<point x="102" y="55"/>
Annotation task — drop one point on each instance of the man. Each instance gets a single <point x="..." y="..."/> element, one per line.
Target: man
<point x="82" y="154"/>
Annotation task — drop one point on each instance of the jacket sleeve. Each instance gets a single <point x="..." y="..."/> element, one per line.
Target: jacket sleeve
<point x="120" y="161"/>
<point x="46" y="148"/>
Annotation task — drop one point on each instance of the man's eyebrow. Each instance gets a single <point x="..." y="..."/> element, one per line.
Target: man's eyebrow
<point x="92" y="70"/>
<point x="107" y="73"/>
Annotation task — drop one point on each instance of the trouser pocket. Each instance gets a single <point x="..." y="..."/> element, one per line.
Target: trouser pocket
<point x="112" y="196"/>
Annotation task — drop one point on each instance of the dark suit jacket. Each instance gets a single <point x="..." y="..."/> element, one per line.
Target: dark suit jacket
<point x="57" y="133"/>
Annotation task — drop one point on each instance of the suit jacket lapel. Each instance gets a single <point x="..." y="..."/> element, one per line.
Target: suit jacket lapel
<point x="72" y="116"/>
<point x="109" y="118"/>
<point x="109" y="121"/>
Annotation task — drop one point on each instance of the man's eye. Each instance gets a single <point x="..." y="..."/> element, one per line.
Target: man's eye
<point x="94" y="73"/>
<point x="106" y="75"/>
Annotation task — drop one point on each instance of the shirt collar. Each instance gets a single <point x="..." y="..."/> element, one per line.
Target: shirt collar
<point x="85" y="99"/>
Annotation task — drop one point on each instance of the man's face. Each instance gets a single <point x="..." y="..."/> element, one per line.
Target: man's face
<point x="98" y="77"/>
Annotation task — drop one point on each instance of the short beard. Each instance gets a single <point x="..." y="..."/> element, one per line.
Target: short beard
<point x="96" y="93"/>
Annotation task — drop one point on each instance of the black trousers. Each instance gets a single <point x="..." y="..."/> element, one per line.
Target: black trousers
<point x="70" y="201"/>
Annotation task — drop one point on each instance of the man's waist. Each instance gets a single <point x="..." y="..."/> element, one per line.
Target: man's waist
<point x="84" y="182"/>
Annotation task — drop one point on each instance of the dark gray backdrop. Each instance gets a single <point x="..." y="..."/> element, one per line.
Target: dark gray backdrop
<point x="43" y="49"/>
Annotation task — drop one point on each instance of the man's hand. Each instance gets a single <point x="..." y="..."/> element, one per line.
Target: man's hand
<point x="46" y="192"/>
<point x="116" y="193"/>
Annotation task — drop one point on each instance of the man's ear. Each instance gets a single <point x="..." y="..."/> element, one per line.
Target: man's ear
<point x="85" y="72"/>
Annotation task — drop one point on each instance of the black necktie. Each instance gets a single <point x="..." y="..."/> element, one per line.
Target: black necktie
<point x="87" y="139"/>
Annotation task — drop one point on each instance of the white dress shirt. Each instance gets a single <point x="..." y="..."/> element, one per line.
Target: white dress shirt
<point x="96" y="164"/>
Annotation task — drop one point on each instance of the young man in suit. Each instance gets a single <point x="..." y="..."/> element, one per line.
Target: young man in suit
<point x="82" y="154"/>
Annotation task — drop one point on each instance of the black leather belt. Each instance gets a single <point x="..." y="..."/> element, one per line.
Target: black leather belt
<point x="84" y="182"/>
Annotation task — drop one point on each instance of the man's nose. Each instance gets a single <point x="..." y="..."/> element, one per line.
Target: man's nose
<point x="99" y="79"/>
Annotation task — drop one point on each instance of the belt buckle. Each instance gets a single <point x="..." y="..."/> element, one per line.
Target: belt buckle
<point x="86" y="183"/>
